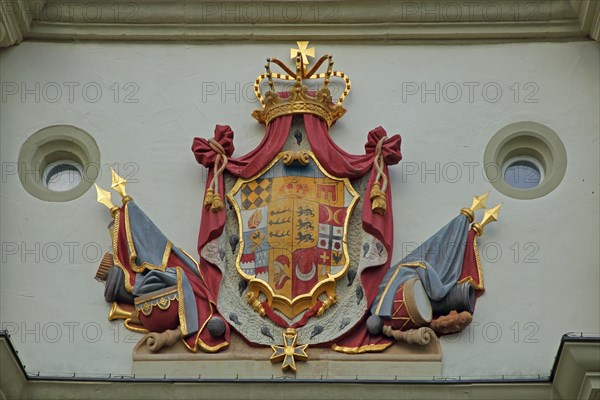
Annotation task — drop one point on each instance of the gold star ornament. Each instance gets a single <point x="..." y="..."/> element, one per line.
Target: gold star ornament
<point x="289" y="352"/>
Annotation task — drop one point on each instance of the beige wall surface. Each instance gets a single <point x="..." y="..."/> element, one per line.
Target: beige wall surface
<point x="143" y="104"/>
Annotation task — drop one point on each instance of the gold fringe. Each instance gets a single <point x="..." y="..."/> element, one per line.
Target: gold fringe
<point x="181" y="302"/>
<point x="470" y="279"/>
<point x="116" y="260"/>
<point x="361" y="349"/>
<point x="211" y="349"/>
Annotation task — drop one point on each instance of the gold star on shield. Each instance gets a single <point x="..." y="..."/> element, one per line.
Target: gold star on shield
<point x="289" y="352"/>
<point x="304" y="51"/>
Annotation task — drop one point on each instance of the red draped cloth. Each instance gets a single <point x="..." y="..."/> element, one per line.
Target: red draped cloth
<point x="338" y="163"/>
<point x="471" y="268"/>
<point x="345" y="165"/>
<point x="212" y="223"/>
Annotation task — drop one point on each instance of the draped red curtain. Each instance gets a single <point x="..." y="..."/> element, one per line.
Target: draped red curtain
<point x="245" y="167"/>
<point x="345" y="165"/>
<point x="342" y="164"/>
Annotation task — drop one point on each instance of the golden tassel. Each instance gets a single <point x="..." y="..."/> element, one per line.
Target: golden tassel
<point x="217" y="203"/>
<point x="378" y="199"/>
<point x="209" y="197"/>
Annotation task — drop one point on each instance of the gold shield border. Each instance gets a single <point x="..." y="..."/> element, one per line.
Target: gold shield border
<point x="293" y="307"/>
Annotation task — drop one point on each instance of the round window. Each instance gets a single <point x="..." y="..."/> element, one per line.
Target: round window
<point x="62" y="175"/>
<point x="525" y="160"/>
<point x="523" y="172"/>
<point x="59" y="163"/>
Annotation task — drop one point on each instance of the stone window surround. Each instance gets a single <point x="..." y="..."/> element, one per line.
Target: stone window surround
<point x="530" y="139"/>
<point x="55" y="143"/>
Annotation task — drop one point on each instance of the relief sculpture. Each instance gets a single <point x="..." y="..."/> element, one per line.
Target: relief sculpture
<point x="295" y="243"/>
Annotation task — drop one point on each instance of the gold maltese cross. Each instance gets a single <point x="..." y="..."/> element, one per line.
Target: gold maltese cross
<point x="289" y="352"/>
<point x="304" y="51"/>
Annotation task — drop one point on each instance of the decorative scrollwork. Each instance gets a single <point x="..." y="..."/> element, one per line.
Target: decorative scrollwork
<point x="302" y="157"/>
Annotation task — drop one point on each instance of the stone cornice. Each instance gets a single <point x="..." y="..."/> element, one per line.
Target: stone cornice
<point x="575" y="374"/>
<point x="378" y="21"/>
<point x="15" y="21"/>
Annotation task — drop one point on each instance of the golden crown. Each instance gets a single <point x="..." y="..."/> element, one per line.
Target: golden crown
<point x="300" y="99"/>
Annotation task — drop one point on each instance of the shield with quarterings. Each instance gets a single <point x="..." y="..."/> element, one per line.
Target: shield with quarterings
<point x="293" y="218"/>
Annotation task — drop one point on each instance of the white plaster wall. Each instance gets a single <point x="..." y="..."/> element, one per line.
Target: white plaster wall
<point x="55" y="308"/>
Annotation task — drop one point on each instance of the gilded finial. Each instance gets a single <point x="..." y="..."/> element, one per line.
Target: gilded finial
<point x="478" y="204"/>
<point x="304" y="51"/>
<point x="104" y="197"/>
<point x="118" y="185"/>
<point x="490" y="215"/>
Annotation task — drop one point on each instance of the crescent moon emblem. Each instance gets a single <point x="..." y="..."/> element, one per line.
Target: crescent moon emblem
<point x="335" y="216"/>
<point x="308" y="276"/>
<point x="330" y="216"/>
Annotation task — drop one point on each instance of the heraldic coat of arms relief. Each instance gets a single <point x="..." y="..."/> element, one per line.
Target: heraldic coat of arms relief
<point x="295" y="247"/>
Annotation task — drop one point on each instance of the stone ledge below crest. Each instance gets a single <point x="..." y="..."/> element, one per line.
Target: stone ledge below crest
<point x="245" y="362"/>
